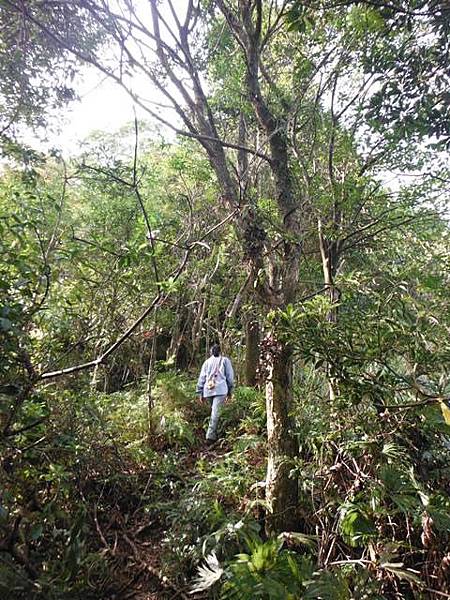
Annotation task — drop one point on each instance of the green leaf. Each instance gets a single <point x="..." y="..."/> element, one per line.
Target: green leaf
<point x="5" y="324"/>
<point x="36" y="531"/>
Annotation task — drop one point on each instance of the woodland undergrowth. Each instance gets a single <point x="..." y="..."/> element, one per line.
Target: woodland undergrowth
<point x="110" y="508"/>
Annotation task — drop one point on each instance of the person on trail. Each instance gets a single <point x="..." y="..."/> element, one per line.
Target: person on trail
<point x="215" y="384"/>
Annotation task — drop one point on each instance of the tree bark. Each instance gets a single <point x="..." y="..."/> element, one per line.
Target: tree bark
<point x="281" y="488"/>
<point x="251" y="351"/>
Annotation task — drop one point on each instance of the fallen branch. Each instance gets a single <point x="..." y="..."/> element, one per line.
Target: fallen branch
<point x="25" y="428"/>
<point x="159" y="299"/>
<point x="102" y="358"/>
<point x="166" y="582"/>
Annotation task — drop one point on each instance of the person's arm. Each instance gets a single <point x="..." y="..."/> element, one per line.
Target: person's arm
<point x="201" y="380"/>
<point x="229" y="375"/>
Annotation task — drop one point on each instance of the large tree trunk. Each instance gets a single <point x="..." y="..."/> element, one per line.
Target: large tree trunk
<point x="281" y="488"/>
<point x="246" y="22"/>
<point x="251" y="351"/>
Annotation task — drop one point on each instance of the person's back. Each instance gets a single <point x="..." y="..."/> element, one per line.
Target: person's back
<point x="218" y="376"/>
<point x="216" y="382"/>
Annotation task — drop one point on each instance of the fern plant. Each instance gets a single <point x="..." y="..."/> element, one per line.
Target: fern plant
<point x="267" y="572"/>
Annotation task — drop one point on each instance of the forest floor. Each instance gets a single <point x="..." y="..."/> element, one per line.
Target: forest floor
<point x="138" y="548"/>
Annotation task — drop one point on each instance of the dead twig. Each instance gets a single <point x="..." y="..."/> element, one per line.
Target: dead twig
<point x="165" y="581"/>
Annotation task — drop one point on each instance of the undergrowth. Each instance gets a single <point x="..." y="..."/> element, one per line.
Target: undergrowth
<point x="108" y="479"/>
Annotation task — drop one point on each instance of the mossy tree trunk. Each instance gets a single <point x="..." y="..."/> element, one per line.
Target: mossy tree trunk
<point x="281" y="487"/>
<point x="252" y="338"/>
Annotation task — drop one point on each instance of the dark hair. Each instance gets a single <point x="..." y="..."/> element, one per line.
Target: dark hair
<point x="215" y="350"/>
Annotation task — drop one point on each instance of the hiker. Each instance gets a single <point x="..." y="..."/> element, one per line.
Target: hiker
<point x="215" y="383"/>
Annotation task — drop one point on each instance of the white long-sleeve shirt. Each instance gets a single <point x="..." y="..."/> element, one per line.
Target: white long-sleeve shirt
<point x="224" y="379"/>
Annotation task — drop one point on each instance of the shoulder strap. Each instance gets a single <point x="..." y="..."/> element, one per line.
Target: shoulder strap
<point x="217" y="369"/>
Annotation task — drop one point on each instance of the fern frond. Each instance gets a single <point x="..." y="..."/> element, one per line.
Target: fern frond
<point x="208" y="574"/>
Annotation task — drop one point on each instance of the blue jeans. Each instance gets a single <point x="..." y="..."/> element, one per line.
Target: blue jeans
<point x="216" y="406"/>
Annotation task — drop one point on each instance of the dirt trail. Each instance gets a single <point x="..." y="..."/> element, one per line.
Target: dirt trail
<point x="139" y="544"/>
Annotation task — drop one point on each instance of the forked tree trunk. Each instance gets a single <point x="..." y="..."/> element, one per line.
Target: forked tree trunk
<point x="251" y="351"/>
<point x="281" y="488"/>
<point x="246" y="21"/>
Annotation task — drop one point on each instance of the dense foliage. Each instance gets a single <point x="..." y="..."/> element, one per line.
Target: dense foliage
<point x="122" y="265"/>
<point x="36" y="73"/>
